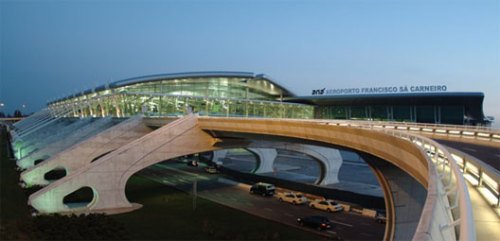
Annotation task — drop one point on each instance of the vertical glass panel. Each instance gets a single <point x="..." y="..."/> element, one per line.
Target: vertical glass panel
<point x="425" y="114"/>
<point x="358" y="112"/>
<point x="272" y="110"/>
<point x="452" y="115"/>
<point x="401" y="113"/>
<point x="237" y="109"/>
<point x="334" y="112"/>
<point x="379" y="112"/>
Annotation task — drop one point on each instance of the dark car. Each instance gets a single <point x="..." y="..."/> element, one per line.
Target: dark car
<point x="318" y="222"/>
<point x="192" y="163"/>
<point x="264" y="189"/>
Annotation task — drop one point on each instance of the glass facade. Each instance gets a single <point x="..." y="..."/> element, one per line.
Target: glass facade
<point x="240" y="94"/>
<point x="216" y="87"/>
<point x="208" y="96"/>
<point x="402" y="113"/>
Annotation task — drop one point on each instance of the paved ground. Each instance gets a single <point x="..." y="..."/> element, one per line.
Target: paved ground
<point x="486" y="221"/>
<point x="349" y="226"/>
<point x="354" y="175"/>
<point x="488" y="154"/>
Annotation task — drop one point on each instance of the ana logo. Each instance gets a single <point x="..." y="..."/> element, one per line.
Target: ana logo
<point x="318" y="92"/>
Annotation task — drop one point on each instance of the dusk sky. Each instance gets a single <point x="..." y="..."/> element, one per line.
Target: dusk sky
<point x="50" y="49"/>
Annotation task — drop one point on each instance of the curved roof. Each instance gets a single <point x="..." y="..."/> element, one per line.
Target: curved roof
<point x="171" y="76"/>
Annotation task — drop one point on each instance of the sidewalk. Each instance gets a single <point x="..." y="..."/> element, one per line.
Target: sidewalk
<point x="486" y="220"/>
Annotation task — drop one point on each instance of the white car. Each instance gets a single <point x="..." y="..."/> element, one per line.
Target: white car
<point x="291" y="197"/>
<point x="327" y="205"/>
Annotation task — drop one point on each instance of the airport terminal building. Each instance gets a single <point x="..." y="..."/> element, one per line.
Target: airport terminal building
<point x="245" y="94"/>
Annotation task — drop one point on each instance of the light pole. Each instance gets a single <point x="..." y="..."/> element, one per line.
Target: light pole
<point x="1" y="109"/>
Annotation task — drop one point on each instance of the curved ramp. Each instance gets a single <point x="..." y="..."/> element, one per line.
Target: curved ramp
<point x="108" y="175"/>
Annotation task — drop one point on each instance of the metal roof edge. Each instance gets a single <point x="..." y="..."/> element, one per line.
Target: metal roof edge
<point x="147" y="78"/>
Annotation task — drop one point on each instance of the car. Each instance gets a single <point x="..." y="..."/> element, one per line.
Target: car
<point x="327" y="205"/>
<point x="264" y="189"/>
<point x="292" y="197"/>
<point x="318" y="222"/>
<point x="192" y="163"/>
<point x="211" y="170"/>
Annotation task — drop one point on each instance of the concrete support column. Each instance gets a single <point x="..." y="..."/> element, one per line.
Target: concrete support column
<point x="117" y="107"/>
<point x="329" y="159"/>
<point x="404" y="196"/>
<point x="265" y="159"/>
<point x="46" y="138"/>
<point x="102" y="107"/>
<point x="108" y="176"/>
<point x="218" y="156"/>
<point x="85" y="131"/>
<point x="332" y="161"/>
<point x="82" y="153"/>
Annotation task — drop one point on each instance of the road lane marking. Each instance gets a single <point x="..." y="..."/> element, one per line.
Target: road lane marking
<point x="469" y="149"/>
<point x="185" y="172"/>
<point x="345" y="224"/>
<point x="268" y="209"/>
<point x="288" y="214"/>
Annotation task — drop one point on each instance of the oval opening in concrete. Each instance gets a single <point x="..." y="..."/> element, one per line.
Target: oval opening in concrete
<point x="79" y="198"/>
<point x="55" y="174"/>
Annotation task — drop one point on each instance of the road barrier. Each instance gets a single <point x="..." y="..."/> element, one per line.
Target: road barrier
<point x="448" y="209"/>
<point x="480" y="175"/>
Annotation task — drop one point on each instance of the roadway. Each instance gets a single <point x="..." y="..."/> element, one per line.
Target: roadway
<point x="487" y="154"/>
<point x="217" y="188"/>
<point x="354" y="175"/>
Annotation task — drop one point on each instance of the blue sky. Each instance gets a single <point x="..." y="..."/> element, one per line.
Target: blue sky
<point x="53" y="48"/>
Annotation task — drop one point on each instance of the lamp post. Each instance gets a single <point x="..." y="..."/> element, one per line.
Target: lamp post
<point x="1" y="108"/>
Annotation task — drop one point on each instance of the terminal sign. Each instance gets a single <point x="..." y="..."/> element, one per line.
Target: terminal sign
<point x="381" y="90"/>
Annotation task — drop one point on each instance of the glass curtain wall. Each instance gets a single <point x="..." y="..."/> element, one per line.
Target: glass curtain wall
<point x="159" y="105"/>
<point x="211" y="96"/>
<point x="217" y="87"/>
<point x="178" y="106"/>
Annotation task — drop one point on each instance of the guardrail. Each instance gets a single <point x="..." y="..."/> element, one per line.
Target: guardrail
<point x="479" y="175"/>
<point x="447" y="195"/>
<point x="476" y="132"/>
<point x="436" y="126"/>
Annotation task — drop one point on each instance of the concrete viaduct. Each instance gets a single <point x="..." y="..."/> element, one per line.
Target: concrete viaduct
<point x="425" y="194"/>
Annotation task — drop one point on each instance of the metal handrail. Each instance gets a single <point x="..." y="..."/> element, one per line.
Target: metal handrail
<point x="466" y="218"/>
<point x="485" y="175"/>
<point x="431" y="125"/>
<point x="434" y="149"/>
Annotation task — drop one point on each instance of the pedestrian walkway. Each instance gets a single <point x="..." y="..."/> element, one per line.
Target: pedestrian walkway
<point x="486" y="220"/>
